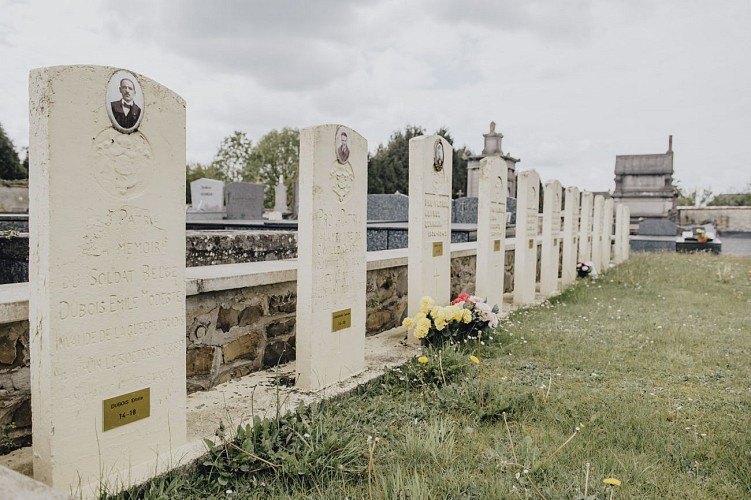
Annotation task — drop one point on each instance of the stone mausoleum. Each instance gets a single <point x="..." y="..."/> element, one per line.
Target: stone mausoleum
<point x="492" y="147"/>
<point x="644" y="183"/>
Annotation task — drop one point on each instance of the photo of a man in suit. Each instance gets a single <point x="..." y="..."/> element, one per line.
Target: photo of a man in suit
<point x="126" y="111"/>
<point x="342" y="151"/>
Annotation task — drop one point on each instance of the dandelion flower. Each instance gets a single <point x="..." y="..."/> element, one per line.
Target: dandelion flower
<point x="422" y="359"/>
<point x="474" y="359"/>
<point x="611" y="481"/>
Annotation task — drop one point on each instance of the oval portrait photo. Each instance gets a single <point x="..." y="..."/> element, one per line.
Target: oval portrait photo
<point x="438" y="155"/>
<point x="342" y="144"/>
<point x="124" y="102"/>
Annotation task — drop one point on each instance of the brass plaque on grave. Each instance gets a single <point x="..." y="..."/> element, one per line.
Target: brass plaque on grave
<point x="437" y="248"/>
<point x="341" y="320"/>
<point x="531" y="243"/>
<point x="127" y="408"/>
<point x="497" y="246"/>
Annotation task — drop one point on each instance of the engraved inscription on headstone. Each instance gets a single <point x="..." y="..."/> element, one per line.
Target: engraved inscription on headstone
<point x="525" y="255"/>
<point x="107" y="284"/>
<point x="551" y="229"/>
<point x="491" y="229"/>
<point x="125" y="102"/>
<point x="331" y="256"/>
<point x="429" y="271"/>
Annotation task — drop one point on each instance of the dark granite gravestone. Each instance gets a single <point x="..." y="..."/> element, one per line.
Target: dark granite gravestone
<point x="388" y="207"/>
<point x="658" y="227"/>
<point x="244" y="201"/>
<point x="464" y="211"/>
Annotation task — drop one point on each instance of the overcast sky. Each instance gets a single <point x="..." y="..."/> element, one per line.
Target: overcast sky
<point x="570" y="84"/>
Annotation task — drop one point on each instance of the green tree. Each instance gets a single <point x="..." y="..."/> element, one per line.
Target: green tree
<point x="195" y="171"/>
<point x="276" y="154"/>
<point x="10" y="165"/>
<point x="388" y="167"/>
<point x="740" y="199"/>
<point x="696" y="197"/>
<point x="233" y="158"/>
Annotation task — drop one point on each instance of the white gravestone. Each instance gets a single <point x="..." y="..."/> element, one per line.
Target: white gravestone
<point x="491" y="229"/>
<point x="626" y="245"/>
<point x="607" y="233"/>
<point x="551" y="238"/>
<point x="280" y="196"/>
<point x="570" y="235"/>
<point x="597" y="225"/>
<point x="525" y="253"/>
<point x="618" y="241"/>
<point x="107" y="281"/>
<point x="585" y="226"/>
<point x="429" y="245"/>
<point x="331" y="258"/>
<point x="207" y="195"/>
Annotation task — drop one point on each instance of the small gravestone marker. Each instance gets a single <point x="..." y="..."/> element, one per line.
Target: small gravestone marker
<point x="207" y="195"/>
<point x="525" y="253"/>
<point x="331" y="256"/>
<point x="491" y="230"/>
<point x="607" y="233"/>
<point x="107" y="283"/>
<point x="551" y="238"/>
<point x="598" y="219"/>
<point x="570" y="235"/>
<point x="429" y="272"/>
<point x="585" y="227"/>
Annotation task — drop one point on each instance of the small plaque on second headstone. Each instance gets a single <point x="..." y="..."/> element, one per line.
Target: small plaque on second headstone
<point x="341" y="320"/>
<point x="437" y="249"/>
<point x="497" y="246"/>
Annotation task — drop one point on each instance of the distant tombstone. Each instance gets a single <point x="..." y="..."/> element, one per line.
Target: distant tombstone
<point x="244" y="201"/>
<point x="491" y="230"/>
<point x="598" y="218"/>
<point x="331" y="258"/>
<point x="625" y="233"/>
<point x="570" y="235"/>
<point x="511" y="210"/>
<point x="607" y="233"/>
<point x="388" y="207"/>
<point x="658" y="227"/>
<point x="551" y="238"/>
<point x="464" y="210"/>
<point x="280" y="197"/>
<point x="207" y="195"/>
<point x="107" y="284"/>
<point x="429" y="246"/>
<point x="618" y="242"/>
<point x="585" y="226"/>
<point x="525" y="253"/>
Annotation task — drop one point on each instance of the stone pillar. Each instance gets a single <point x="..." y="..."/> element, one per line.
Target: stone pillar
<point x="107" y="283"/>
<point x="551" y="238"/>
<point x="280" y="196"/>
<point x="626" y="246"/>
<point x="570" y="235"/>
<point x="525" y="254"/>
<point x="597" y="227"/>
<point x="585" y="227"/>
<point x="491" y="230"/>
<point x="331" y="257"/>
<point x="618" y="242"/>
<point x="429" y="245"/>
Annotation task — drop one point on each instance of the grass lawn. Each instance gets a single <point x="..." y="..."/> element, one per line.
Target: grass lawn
<point x="643" y="375"/>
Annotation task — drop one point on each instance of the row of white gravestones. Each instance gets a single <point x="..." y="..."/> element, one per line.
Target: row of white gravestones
<point x="588" y="233"/>
<point x="107" y="291"/>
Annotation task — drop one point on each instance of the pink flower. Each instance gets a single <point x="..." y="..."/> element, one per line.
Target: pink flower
<point x="463" y="297"/>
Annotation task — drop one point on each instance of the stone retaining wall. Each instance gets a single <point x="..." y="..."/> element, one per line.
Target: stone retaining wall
<point x="230" y="333"/>
<point x="723" y="218"/>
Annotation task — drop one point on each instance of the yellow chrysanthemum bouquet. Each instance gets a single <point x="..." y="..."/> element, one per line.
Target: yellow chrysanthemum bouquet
<point x="465" y="319"/>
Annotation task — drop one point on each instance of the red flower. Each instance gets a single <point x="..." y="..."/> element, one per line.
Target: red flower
<point x="463" y="297"/>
